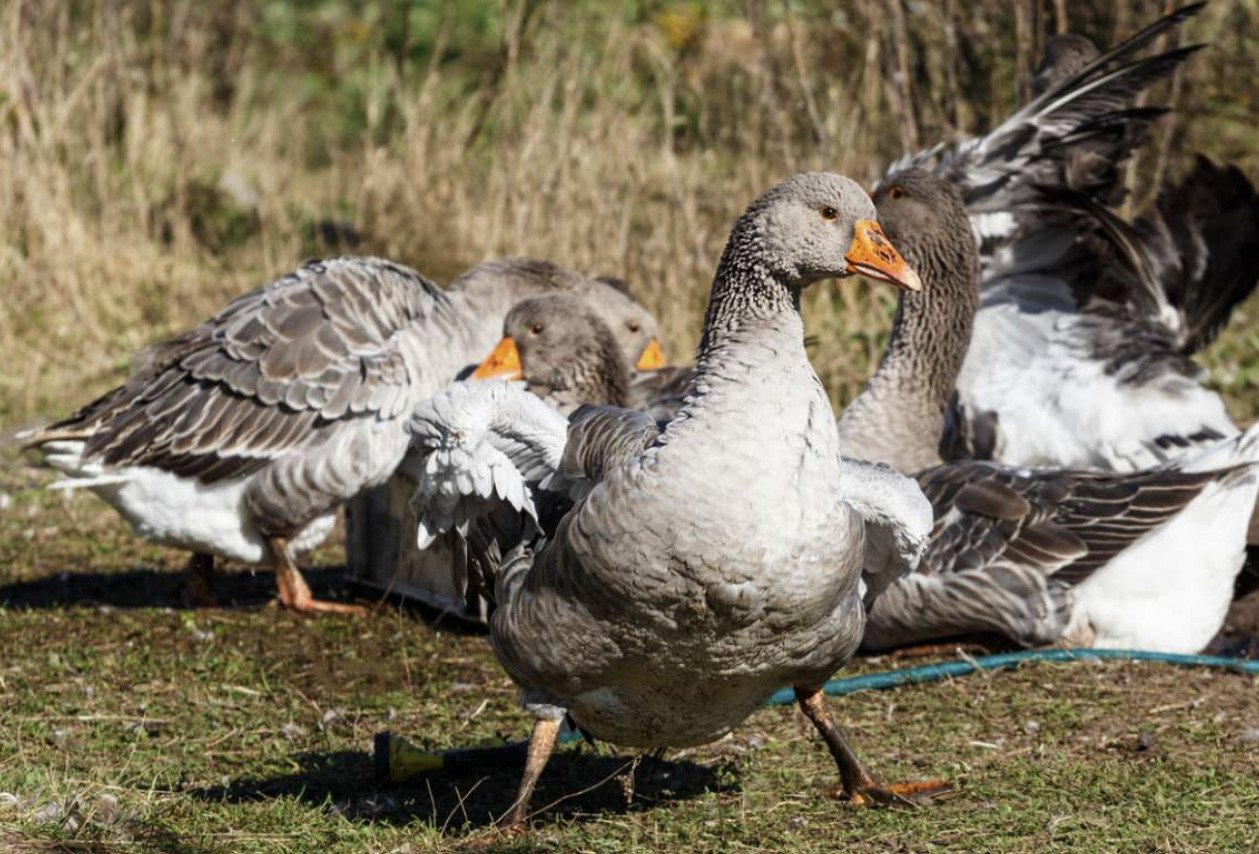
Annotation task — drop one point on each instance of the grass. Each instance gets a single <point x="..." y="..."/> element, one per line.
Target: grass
<point x="162" y="156"/>
<point x="132" y="724"/>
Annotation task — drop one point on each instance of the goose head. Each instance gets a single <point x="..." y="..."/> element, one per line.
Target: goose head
<point x="630" y="324"/>
<point x="564" y="352"/>
<point x="925" y="216"/>
<point x="819" y="225"/>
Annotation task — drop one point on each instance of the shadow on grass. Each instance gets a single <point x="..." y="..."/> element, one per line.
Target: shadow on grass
<point x="143" y="587"/>
<point x="577" y="781"/>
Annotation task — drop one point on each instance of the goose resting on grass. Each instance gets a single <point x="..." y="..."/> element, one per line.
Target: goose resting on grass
<point x="241" y="437"/>
<point x="1143" y="560"/>
<point x="702" y="567"/>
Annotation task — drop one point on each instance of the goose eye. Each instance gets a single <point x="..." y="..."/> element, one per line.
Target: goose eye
<point x="635" y="326"/>
<point x="829" y="212"/>
<point x="896" y="192"/>
<point x="536" y="329"/>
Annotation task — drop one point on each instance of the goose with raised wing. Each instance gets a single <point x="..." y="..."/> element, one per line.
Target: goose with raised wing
<point x="1083" y="337"/>
<point x="241" y="437"/>
<point x="1141" y="560"/>
<point x="701" y="567"/>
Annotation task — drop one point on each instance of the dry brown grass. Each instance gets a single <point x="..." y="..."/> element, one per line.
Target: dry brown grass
<point x="604" y="140"/>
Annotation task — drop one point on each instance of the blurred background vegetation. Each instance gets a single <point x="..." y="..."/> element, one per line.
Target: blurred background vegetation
<point x="158" y="157"/>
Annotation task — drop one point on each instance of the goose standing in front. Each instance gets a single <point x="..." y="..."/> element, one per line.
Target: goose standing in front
<point x="241" y="437"/>
<point x="703" y="566"/>
<point x="1143" y="560"/>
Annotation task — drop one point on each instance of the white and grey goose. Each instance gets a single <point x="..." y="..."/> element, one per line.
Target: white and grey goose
<point x="706" y="565"/>
<point x="241" y="437"/>
<point x="1083" y="337"/>
<point x="1142" y="560"/>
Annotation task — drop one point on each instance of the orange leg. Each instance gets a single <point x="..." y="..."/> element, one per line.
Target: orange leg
<point x="295" y="592"/>
<point x="856" y="783"/>
<point x="198" y="589"/>
<point x="541" y="746"/>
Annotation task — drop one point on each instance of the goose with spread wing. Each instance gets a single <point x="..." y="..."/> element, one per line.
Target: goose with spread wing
<point x="241" y="437"/>
<point x="1083" y="342"/>
<point x="699" y="568"/>
<point x="1140" y="560"/>
<point x="1083" y="338"/>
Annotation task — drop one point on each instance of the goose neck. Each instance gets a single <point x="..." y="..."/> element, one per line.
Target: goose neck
<point x="899" y="417"/>
<point x="749" y="304"/>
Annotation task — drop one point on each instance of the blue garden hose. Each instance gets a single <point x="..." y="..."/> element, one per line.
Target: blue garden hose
<point x="1007" y="661"/>
<point x="397" y="761"/>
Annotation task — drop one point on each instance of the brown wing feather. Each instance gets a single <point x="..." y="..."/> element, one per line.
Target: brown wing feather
<point x="257" y="380"/>
<point x="1062" y="524"/>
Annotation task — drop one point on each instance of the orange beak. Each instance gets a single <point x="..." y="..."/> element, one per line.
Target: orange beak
<point x="503" y="362"/>
<point x="652" y="357"/>
<point x="872" y="255"/>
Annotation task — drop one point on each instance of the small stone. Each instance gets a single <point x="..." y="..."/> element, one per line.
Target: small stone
<point x="8" y="800"/>
<point x="1250" y="735"/>
<point x="50" y="811"/>
<point x="107" y="811"/>
<point x="1031" y="727"/>
<point x="1145" y="741"/>
<point x="292" y="731"/>
<point x="797" y="822"/>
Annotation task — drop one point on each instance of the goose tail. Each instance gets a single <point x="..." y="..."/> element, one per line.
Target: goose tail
<point x="63" y="452"/>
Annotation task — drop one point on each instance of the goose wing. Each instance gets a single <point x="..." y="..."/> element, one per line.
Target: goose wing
<point x="1076" y="134"/>
<point x="599" y="439"/>
<point x="495" y="464"/>
<point x="477" y="446"/>
<point x="256" y="380"/>
<point x="1063" y="524"/>
<point x="1008" y="546"/>
<point x="897" y="517"/>
<point x="1183" y="265"/>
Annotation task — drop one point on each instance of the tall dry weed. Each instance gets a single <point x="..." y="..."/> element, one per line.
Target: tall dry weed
<point x="158" y="157"/>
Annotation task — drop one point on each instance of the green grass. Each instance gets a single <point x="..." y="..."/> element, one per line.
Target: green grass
<point x="129" y="723"/>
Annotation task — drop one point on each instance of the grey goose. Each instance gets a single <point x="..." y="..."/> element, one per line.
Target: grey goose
<point x="242" y="436"/>
<point x="702" y="566"/>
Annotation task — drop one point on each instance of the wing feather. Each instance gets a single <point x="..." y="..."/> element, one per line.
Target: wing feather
<point x="898" y="522"/>
<point x="319" y="345"/>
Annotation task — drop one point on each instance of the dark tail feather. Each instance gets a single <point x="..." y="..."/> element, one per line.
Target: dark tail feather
<point x="1116" y="53"/>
